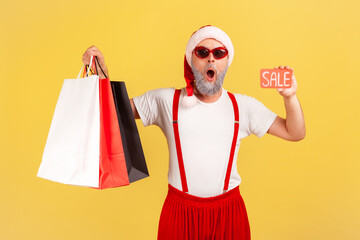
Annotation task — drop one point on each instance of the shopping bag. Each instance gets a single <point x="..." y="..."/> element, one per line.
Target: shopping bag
<point x="134" y="155"/>
<point x="71" y="153"/>
<point x="113" y="171"/>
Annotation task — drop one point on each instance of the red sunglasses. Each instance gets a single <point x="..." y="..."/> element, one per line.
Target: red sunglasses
<point x="218" y="53"/>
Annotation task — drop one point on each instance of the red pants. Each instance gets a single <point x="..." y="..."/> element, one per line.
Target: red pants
<point x="188" y="217"/>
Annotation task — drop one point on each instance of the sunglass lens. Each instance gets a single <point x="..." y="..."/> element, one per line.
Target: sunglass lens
<point x="219" y="53"/>
<point x="202" y="52"/>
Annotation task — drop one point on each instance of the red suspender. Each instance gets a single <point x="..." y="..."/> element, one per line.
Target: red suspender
<point x="177" y="139"/>
<point x="233" y="145"/>
<point x="178" y="145"/>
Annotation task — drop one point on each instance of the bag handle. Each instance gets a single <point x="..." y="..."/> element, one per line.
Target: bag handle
<point x="99" y="66"/>
<point x="88" y="69"/>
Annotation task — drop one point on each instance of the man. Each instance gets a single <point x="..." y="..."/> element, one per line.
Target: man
<point x="203" y="125"/>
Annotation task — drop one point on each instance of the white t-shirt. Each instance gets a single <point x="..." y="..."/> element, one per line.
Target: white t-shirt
<point x="206" y="132"/>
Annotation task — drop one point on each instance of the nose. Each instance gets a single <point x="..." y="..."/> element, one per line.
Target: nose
<point x="211" y="58"/>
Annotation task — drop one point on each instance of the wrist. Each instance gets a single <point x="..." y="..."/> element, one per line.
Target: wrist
<point x="101" y="74"/>
<point x="291" y="97"/>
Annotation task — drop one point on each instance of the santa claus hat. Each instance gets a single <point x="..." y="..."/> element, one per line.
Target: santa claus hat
<point x="201" y="34"/>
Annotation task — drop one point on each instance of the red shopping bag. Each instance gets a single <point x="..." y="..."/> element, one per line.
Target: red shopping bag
<point x="113" y="171"/>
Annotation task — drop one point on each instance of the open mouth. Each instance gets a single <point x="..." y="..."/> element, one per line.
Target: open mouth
<point x="210" y="74"/>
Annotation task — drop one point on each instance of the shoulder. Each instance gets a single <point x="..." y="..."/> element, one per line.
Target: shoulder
<point x="161" y="91"/>
<point x="158" y="94"/>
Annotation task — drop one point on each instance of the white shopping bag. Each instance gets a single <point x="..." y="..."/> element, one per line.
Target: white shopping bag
<point x="71" y="153"/>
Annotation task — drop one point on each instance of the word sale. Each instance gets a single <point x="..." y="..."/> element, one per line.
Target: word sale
<point x="275" y="78"/>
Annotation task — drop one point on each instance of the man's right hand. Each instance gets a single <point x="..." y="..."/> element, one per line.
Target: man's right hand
<point x="96" y="52"/>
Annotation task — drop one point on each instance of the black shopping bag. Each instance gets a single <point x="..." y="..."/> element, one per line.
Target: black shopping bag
<point x="134" y="155"/>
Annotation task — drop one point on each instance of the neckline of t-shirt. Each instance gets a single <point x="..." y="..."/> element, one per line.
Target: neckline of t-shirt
<point x="223" y="93"/>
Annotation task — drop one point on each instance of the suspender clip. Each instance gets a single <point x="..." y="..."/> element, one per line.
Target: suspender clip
<point x="175" y="121"/>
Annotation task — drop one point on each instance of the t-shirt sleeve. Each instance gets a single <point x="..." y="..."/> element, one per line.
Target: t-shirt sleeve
<point x="260" y="117"/>
<point x="151" y="105"/>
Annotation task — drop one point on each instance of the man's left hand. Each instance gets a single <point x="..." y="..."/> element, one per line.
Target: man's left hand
<point x="288" y="92"/>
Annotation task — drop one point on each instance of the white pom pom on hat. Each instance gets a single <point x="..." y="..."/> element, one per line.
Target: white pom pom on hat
<point x="201" y="34"/>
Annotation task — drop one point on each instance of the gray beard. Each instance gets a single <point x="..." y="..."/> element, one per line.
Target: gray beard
<point x="205" y="87"/>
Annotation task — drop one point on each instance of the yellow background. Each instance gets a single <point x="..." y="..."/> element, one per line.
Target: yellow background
<point x="304" y="190"/>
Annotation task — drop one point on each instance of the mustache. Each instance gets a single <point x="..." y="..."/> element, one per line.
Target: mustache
<point x="210" y="65"/>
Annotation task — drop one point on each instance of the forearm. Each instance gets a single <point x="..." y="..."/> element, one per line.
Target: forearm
<point x="295" y="123"/>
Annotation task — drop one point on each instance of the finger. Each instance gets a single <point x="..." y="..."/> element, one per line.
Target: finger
<point x="86" y="58"/>
<point x="97" y="53"/>
<point x="287" y="67"/>
<point x="280" y="89"/>
<point x="281" y="67"/>
<point x="92" y="47"/>
<point x="293" y="82"/>
<point x="93" y="52"/>
<point x="85" y="61"/>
